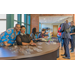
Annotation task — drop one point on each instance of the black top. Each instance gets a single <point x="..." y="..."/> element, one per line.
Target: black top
<point x="72" y="31"/>
<point x="23" y="38"/>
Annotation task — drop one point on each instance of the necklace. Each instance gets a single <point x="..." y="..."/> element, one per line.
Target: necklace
<point x="22" y="34"/>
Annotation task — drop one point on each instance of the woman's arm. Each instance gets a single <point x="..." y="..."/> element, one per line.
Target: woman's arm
<point x="72" y="33"/>
<point x="45" y="36"/>
<point x="19" y="41"/>
<point x="6" y="44"/>
<point x="4" y="38"/>
<point x="32" y="43"/>
<point x="39" y="36"/>
<point x="32" y="36"/>
<point x="25" y="44"/>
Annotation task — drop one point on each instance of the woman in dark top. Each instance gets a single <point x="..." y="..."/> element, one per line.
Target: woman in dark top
<point x="24" y="39"/>
<point x="33" y="34"/>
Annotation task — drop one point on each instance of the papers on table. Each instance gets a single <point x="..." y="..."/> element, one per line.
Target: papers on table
<point x="24" y="46"/>
<point x="42" y="39"/>
<point x="39" y="46"/>
<point x="48" y="43"/>
<point x="29" y="50"/>
<point x="36" y="49"/>
<point x="54" y="42"/>
<point x="26" y="49"/>
<point x="40" y="43"/>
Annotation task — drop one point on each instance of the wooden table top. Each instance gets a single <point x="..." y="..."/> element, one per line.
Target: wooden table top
<point x="17" y="52"/>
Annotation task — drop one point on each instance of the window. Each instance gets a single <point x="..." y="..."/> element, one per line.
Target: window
<point x="2" y="26"/>
<point x="28" y="24"/>
<point x="2" y="23"/>
<point x="28" y="19"/>
<point x="28" y="29"/>
<point x="15" y="23"/>
<point x="23" y="19"/>
<point x="2" y="16"/>
<point x="15" y="16"/>
<point x="22" y="24"/>
<point x="15" y="19"/>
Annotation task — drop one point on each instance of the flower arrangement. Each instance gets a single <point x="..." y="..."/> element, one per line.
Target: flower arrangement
<point x="50" y="36"/>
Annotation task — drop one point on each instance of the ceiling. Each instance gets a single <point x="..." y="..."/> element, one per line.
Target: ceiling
<point x="54" y="19"/>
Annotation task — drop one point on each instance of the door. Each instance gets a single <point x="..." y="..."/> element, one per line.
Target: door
<point x="55" y="30"/>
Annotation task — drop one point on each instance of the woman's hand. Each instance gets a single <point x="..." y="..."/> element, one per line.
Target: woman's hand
<point x="32" y="44"/>
<point x="36" y="39"/>
<point x="46" y="37"/>
<point x="71" y="33"/>
<point x="6" y="44"/>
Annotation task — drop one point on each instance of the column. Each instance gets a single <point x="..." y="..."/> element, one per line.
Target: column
<point x="9" y="21"/>
<point x="34" y="22"/>
<point x="19" y="19"/>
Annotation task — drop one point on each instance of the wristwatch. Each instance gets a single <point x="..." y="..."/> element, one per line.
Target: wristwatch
<point x="28" y="44"/>
<point x="6" y="44"/>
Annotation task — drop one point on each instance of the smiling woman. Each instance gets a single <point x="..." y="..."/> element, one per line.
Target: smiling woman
<point x="24" y="39"/>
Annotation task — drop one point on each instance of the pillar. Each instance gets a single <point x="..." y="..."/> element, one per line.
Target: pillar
<point x="10" y="21"/>
<point x="34" y="22"/>
<point x="19" y="18"/>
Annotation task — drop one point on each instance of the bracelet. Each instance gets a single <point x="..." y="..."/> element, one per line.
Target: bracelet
<point x="6" y="44"/>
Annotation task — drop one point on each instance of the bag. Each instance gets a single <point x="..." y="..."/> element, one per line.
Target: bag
<point x="68" y="30"/>
<point x="58" y="35"/>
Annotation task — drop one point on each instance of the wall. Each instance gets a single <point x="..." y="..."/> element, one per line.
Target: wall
<point x="35" y="22"/>
<point x="55" y="14"/>
<point x="2" y="23"/>
<point x="49" y="25"/>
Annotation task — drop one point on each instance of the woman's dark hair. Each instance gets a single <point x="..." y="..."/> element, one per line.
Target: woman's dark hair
<point x="22" y="26"/>
<point x="43" y="30"/>
<point x="34" y="31"/>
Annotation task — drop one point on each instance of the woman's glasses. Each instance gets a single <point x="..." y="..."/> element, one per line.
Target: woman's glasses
<point x="23" y="29"/>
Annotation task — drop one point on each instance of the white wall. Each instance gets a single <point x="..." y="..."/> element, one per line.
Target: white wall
<point x="49" y="25"/>
<point x="2" y="23"/>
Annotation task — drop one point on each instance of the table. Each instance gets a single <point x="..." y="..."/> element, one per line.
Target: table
<point x="49" y="52"/>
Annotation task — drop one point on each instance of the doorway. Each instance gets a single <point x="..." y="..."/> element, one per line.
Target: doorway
<point x="55" y="30"/>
